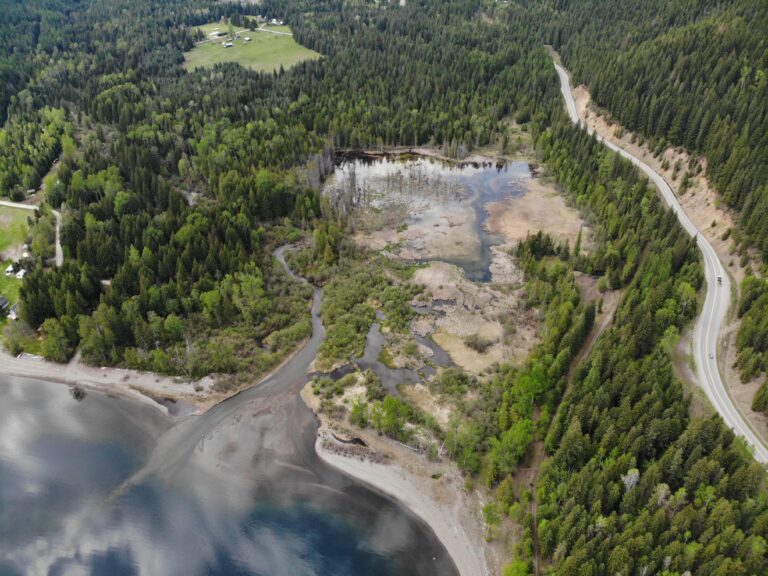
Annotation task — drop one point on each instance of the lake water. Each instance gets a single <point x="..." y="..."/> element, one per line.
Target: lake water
<point x="428" y="193"/>
<point x="109" y="486"/>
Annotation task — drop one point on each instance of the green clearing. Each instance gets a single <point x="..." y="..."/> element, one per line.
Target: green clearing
<point x="13" y="226"/>
<point x="13" y="231"/>
<point x="9" y="286"/>
<point x="276" y="28"/>
<point x="265" y="52"/>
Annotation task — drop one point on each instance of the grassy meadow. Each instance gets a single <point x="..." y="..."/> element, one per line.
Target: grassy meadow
<point x="13" y="231"/>
<point x="265" y="52"/>
<point x="13" y="226"/>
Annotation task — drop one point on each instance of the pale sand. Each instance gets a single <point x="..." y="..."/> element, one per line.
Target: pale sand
<point x="144" y="386"/>
<point x="541" y="208"/>
<point x="138" y="385"/>
<point x="447" y="517"/>
<point x="452" y="513"/>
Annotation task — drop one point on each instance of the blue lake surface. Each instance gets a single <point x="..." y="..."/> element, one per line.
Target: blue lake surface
<point x="109" y="486"/>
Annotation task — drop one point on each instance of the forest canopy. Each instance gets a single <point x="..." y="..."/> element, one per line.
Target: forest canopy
<point x="176" y="187"/>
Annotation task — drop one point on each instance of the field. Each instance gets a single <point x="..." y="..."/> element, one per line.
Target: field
<point x="13" y="226"/>
<point x="13" y="232"/>
<point x="265" y="52"/>
<point x="9" y="287"/>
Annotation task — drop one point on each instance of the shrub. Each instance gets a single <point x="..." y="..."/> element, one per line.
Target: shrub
<point x="478" y="343"/>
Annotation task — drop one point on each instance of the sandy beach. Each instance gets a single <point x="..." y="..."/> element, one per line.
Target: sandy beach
<point x="433" y="491"/>
<point x="448" y="516"/>
<point x="143" y="386"/>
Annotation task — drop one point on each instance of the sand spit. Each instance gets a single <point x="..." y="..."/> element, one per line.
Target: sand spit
<point x="434" y="491"/>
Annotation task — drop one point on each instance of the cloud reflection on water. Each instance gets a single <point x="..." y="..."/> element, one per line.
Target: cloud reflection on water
<point x="246" y="498"/>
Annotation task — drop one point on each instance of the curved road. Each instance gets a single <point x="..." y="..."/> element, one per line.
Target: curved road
<point x="716" y="304"/>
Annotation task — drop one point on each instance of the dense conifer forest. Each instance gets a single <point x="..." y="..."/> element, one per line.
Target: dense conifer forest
<point x="175" y="187"/>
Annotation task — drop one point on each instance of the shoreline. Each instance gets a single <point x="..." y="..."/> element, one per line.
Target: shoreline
<point x="405" y="487"/>
<point x="150" y="388"/>
<point x="442" y="503"/>
<point x="394" y="152"/>
<point x="146" y="387"/>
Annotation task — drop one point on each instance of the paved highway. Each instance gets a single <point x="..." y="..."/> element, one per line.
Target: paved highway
<point x="716" y="304"/>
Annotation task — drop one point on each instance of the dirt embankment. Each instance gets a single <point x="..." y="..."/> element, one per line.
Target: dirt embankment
<point x="702" y="204"/>
<point x="700" y="201"/>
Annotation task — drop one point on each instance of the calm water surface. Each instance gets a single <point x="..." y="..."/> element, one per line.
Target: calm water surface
<point x="241" y="502"/>
<point x="420" y="183"/>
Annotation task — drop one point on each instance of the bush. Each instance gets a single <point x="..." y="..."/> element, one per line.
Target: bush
<point x="359" y="413"/>
<point x="760" y="401"/>
<point x="478" y="343"/>
<point x="453" y="382"/>
<point x="373" y="387"/>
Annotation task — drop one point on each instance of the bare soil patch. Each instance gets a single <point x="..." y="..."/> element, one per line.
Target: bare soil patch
<point x="460" y="309"/>
<point x="542" y="208"/>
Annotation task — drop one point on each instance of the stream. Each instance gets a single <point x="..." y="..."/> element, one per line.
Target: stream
<point x="109" y="486"/>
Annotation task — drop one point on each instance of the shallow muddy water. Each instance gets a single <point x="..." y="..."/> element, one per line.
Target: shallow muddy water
<point x="62" y="509"/>
<point x="433" y="209"/>
<point x="392" y="377"/>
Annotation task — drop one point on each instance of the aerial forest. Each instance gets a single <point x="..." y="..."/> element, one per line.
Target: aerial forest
<point x="176" y="187"/>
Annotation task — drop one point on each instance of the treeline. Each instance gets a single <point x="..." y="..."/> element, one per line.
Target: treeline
<point x="752" y="338"/>
<point x="633" y="482"/>
<point x="180" y="185"/>
<point x="695" y="75"/>
<point x="172" y="175"/>
<point x="29" y="144"/>
<point x="411" y="75"/>
<point x="30" y="32"/>
<point x="169" y="197"/>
